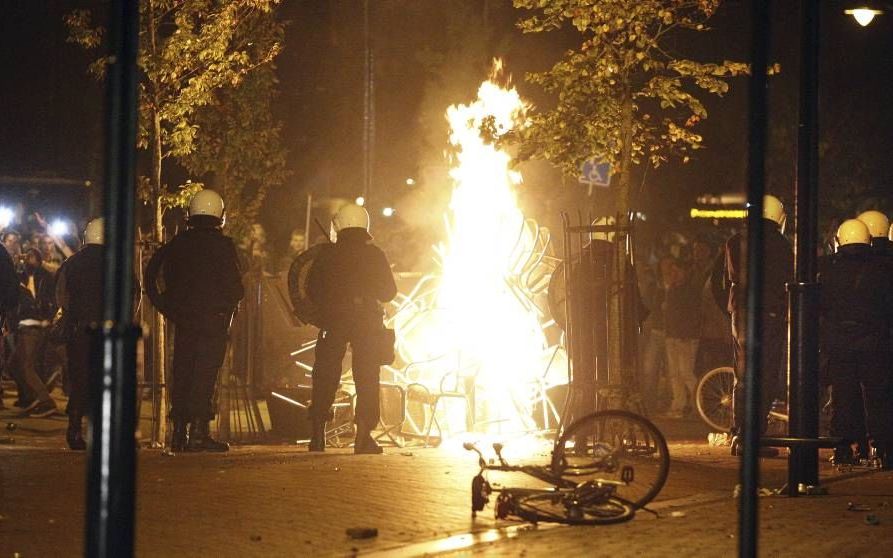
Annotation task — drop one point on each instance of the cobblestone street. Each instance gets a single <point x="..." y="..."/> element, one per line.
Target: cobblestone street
<point x="282" y="501"/>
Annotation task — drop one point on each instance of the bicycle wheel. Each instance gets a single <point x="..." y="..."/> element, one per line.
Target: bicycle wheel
<point x="618" y="446"/>
<point x="557" y="509"/>
<point x="714" y="398"/>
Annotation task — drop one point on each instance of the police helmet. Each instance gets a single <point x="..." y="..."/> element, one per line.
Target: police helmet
<point x="877" y="223"/>
<point x="853" y="231"/>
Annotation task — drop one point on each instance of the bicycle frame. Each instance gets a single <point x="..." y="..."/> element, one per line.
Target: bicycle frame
<point x="598" y="490"/>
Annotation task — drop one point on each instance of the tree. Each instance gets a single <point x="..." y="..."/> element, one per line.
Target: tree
<point x="239" y="147"/>
<point x="205" y="84"/>
<point x="623" y="95"/>
<point x="189" y="52"/>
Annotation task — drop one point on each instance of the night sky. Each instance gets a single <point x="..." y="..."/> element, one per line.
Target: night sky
<point x="434" y="53"/>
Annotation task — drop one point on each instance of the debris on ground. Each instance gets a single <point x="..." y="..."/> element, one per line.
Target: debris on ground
<point x="406" y="454"/>
<point x="7" y="440"/>
<point x="362" y="532"/>
<point x="678" y="514"/>
<point x="256" y="538"/>
<point x="872" y="519"/>
<point x="11" y="426"/>
<point x="716" y="439"/>
<point x="736" y="492"/>
<point x="854" y="507"/>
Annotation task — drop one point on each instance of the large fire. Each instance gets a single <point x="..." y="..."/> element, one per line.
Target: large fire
<point x="478" y="325"/>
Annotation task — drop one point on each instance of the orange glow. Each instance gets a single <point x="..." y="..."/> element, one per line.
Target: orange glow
<point x="478" y="324"/>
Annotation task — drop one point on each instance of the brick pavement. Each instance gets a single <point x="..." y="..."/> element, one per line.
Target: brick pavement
<point x="282" y="501"/>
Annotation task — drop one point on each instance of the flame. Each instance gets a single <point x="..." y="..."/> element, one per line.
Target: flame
<point x="478" y="326"/>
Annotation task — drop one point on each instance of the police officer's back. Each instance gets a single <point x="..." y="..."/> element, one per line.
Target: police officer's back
<point x="194" y="280"/>
<point x="856" y="305"/>
<point x="778" y="268"/>
<point x="79" y="294"/>
<point x="348" y="281"/>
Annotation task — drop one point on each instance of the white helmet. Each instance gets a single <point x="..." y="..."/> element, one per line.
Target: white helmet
<point x="853" y="231"/>
<point x="206" y="202"/>
<point x="877" y="223"/>
<point x="350" y="216"/>
<point x="773" y="210"/>
<point x="95" y="231"/>
<point x="603" y="235"/>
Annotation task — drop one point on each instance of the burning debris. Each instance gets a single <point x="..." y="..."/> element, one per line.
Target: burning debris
<point x="478" y="325"/>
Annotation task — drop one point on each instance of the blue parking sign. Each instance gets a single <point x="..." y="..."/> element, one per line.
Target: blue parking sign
<point x="595" y="172"/>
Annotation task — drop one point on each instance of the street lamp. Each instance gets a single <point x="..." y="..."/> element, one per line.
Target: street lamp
<point x="864" y="12"/>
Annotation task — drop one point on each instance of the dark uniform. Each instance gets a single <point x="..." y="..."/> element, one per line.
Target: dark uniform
<point x="592" y="281"/>
<point x="194" y="281"/>
<point x="9" y="295"/>
<point x="348" y="281"/>
<point x="79" y="294"/>
<point x="778" y="270"/>
<point x="856" y="305"/>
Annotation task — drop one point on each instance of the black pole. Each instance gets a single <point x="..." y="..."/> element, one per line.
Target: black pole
<point x="756" y="161"/>
<point x="112" y="458"/>
<point x="803" y="389"/>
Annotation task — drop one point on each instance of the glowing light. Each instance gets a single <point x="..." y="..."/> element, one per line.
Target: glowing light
<point x="484" y="328"/>
<point x="360" y="201"/>
<point x="59" y="228"/>
<point x="388" y="211"/>
<point x="6" y="216"/>
<point x="718" y="213"/>
<point x="863" y="16"/>
<point x="410" y="182"/>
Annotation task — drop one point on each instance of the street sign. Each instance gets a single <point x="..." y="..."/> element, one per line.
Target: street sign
<point x="595" y="172"/>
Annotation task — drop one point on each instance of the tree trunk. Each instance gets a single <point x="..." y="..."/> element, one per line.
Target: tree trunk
<point x="620" y="368"/>
<point x="159" y="360"/>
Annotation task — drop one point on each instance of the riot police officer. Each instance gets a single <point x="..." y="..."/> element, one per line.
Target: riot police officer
<point x="856" y="304"/>
<point x="195" y="282"/>
<point x="79" y="294"/>
<point x="878" y="226"/>
<point x="778" y="265"/>
<point x="348" y="282"/>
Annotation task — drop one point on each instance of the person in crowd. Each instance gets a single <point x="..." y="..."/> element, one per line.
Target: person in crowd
<point x="35" y="310"/>
<point x="296" y="245"/>
<point x="12" y="242"/>
<point x="715" y="347"/>
<point x="683" y="328"/>
<point x="778" y="266"/>
<point x="349" y="281"/>
<point x="856" y="305"/>
<point x="654" y="349"/>
<point x="9" y="296"/>
<point x="195" y="282"/>
<point x="253" y="249"/>
<point x="50" y="254"/>
<point x="79" y="294"/>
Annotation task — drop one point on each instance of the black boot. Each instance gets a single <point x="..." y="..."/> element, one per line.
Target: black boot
<point x="74" y="436"/>
<point x="179" y="437"/>
<point x="317" y="436"/>
<point x="365" y="443"/>
<point x="200" y="438"/>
